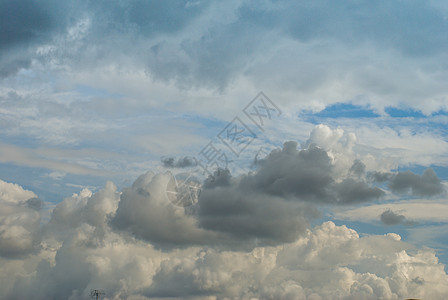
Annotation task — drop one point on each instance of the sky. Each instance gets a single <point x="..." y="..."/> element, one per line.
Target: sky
<point x="223" y="149"/>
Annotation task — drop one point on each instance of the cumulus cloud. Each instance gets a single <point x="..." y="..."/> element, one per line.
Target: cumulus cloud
<point x="309" y="175"/>
<point x="427" y="184"/>
<point x="358" y="168"/>
<point x="270" y="206"/>
<point x="388" y="217"/>
<point x="19" y="220"/>
<point x="82" y="249"/>
<point x="145" y="211"/>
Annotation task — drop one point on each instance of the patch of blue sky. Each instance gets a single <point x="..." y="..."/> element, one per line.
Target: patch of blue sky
<point x="408" y="112"/>
<point x="351" y="111"/>
<point x="395" y="112"/>
<point x="43" y="183"/>
<point x="340" y="110"/>
<point x="346" y="115"/>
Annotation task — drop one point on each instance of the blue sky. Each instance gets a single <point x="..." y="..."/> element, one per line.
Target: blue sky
<point x="98" y="92"/>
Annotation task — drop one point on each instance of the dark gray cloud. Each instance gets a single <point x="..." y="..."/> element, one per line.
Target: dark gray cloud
<point x="224" y="216"/>
<point x="184" y="162"/>
<point x="427" y="184"/>
<point x="145" y="211"/>
<point x="221" y="177"/>
<point x="358" y="168"/>
<point x="388" y="217"/>
<point x="34" y="203"/>
<point x="250" y="216"/>
<point x="270" y="206"/>
<point x="26" y="24"/>
<point x="23" y="21"/>
<point x="225" y="48"/>
<point x="12" y="65"/>
<point x="380" y="176"/>
<point x="307" y="175"/>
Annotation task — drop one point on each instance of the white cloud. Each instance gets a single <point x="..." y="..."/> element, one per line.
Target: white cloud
<point x="19" y="220"/>
<point x="30" y="157"/>
<point x="13" y="193"/>
<point x="79" y="251"/>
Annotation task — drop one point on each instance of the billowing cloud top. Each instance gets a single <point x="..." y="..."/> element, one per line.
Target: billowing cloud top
<point x="248" y="237"/>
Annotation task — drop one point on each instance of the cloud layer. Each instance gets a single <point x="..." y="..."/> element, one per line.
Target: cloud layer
<point x="100" y="89"/>
<point x="247" y="238"/>
<point x="81" y="252"/>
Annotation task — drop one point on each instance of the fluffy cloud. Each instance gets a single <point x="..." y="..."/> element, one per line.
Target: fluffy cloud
<point x="81" y="249"/>
<point x="388" y="217"/>
<point x="427" y="184"/>
<point x="145" y="211"/>
<point x="267" y="207"/>
<point x="310" y="175"/>
<point x="19" y="220"/>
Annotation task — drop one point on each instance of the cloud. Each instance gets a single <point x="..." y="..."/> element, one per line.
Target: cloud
<point x="187" y="44"/>
<point x="269" y="206"/>
<point x="145" y="211"/>
<point x="251" y="218"/>
<point x="427" y="184"/>
<point x="19" y="221"/>
<point x="358" y="168"/>
<point x="81" y="251"/>
<point x="33" y="158"/>
<point x="15" y="30"/>
<point x="309" y="175"/>
<point x="184" y="162"/>
<point x="422" y="210"/>
<point x="388" y="217"/>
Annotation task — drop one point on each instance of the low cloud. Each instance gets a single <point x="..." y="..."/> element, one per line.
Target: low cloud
<point x="308" y="175"/>
<point x="87" y="245"/>
<point x="388" y="217"/>
<point x="427" y="184"/>
<point x="407" y="182"/>
<point x="249" y="236"/>
<point x="19" y="221"/>
<point x="184" y="162"/>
